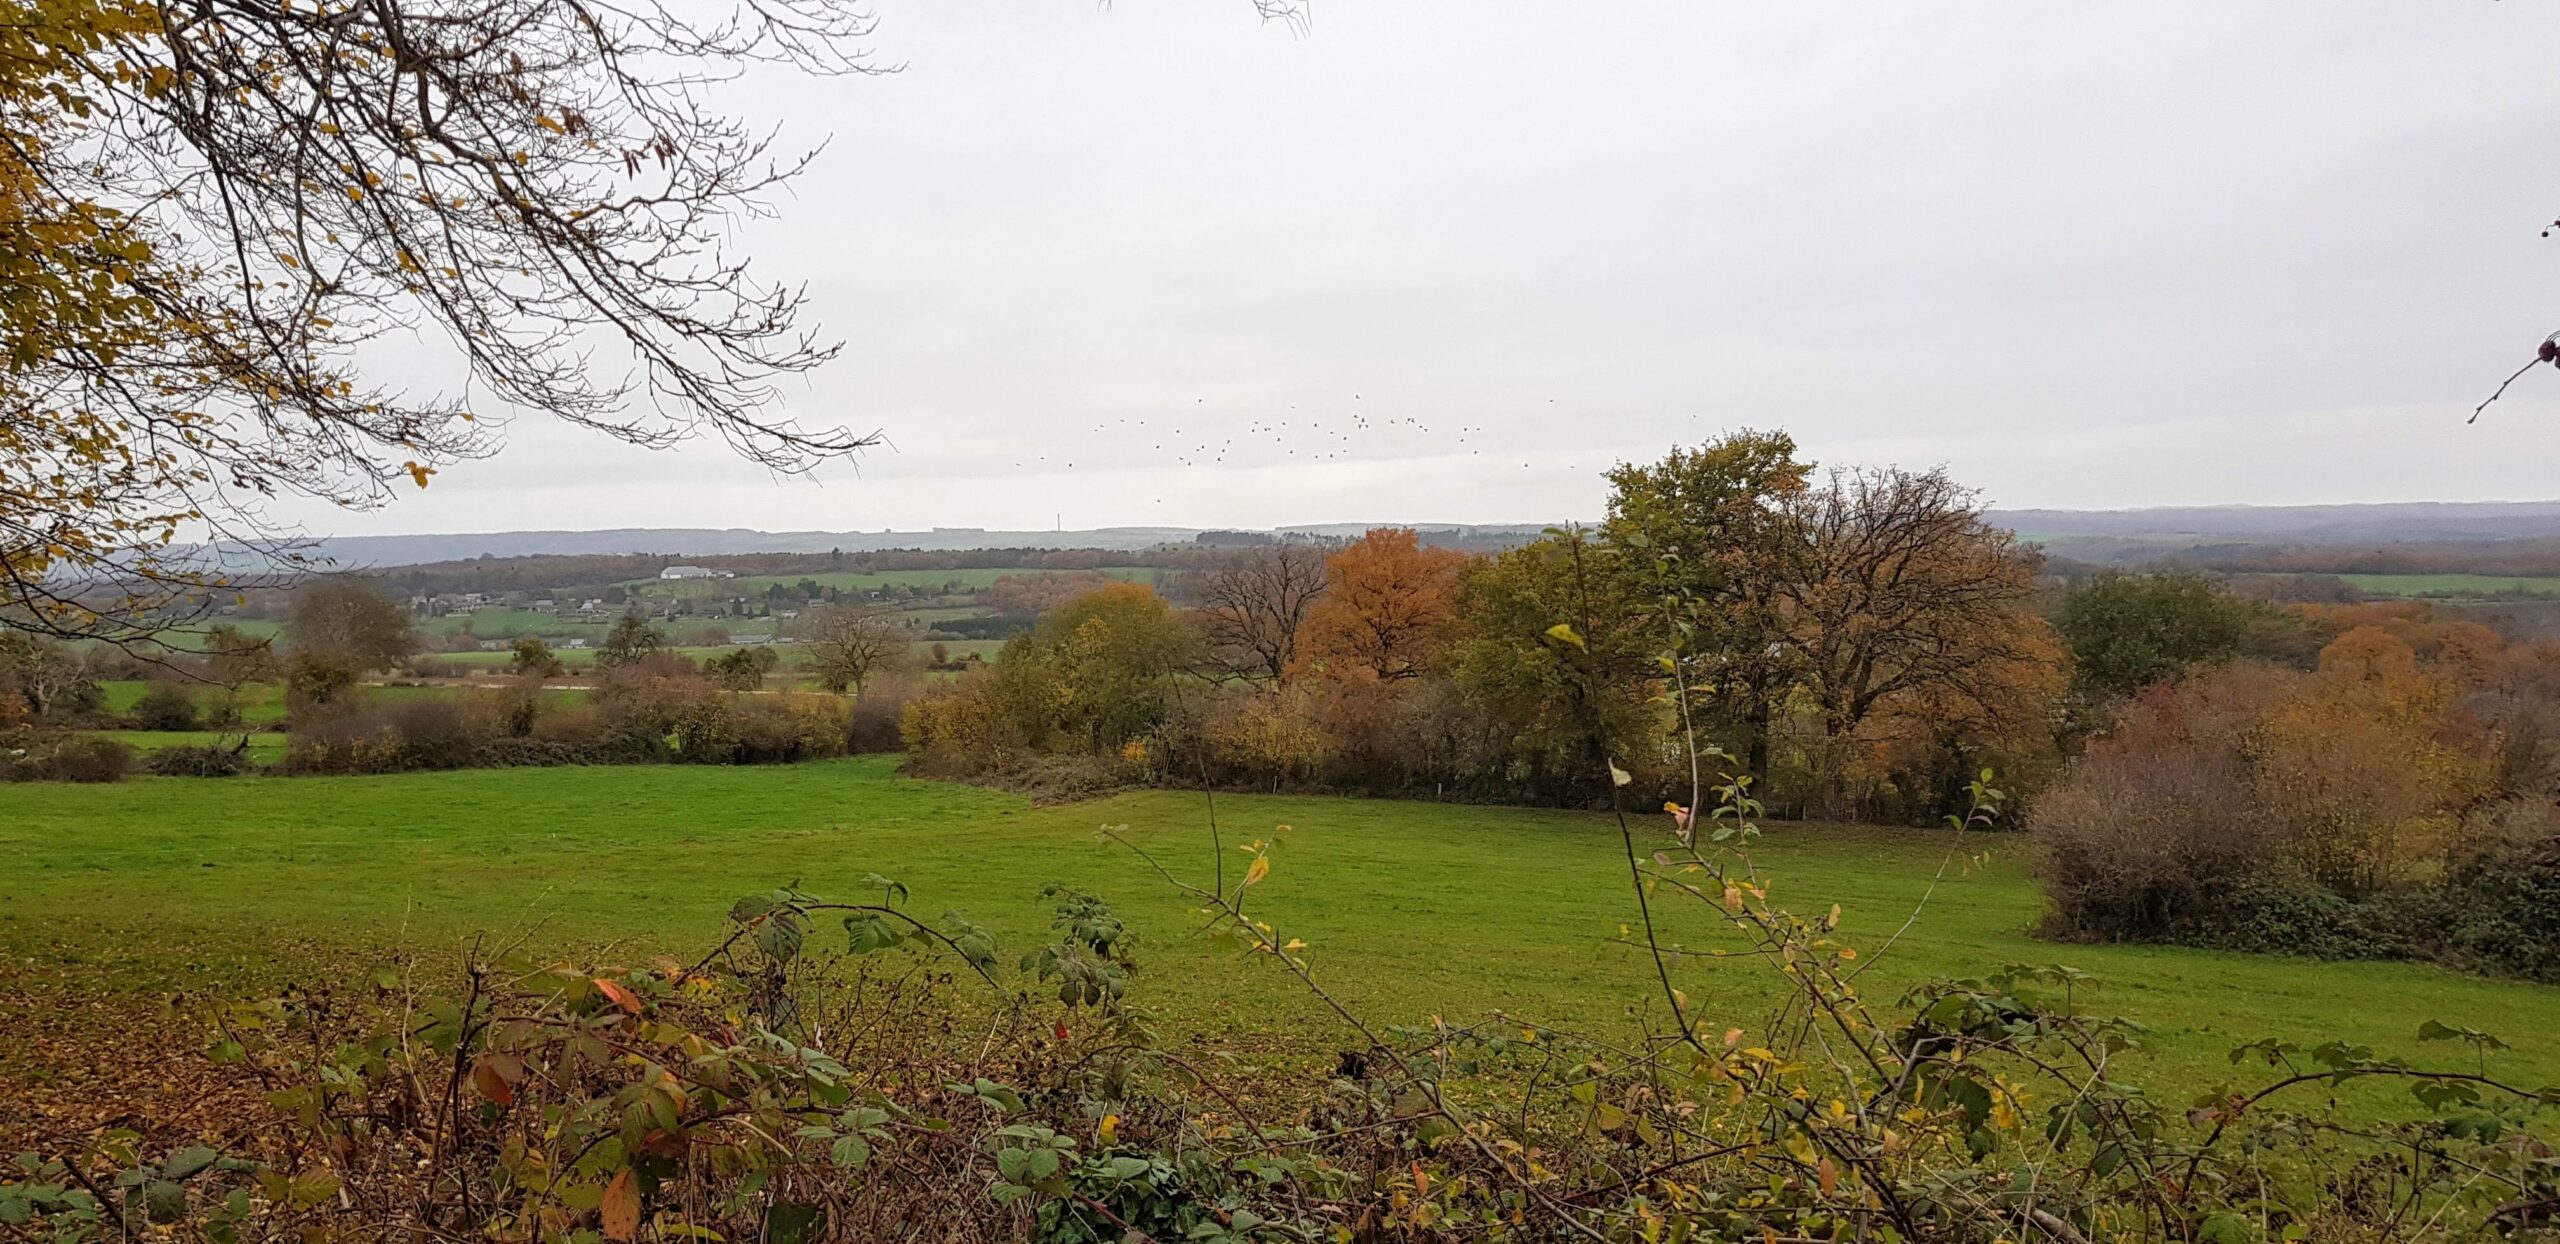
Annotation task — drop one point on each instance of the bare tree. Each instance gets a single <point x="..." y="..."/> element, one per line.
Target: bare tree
<point x="1252" y="604"/>
<point x="847" y="646"/>
<point x="1894" y="586"/>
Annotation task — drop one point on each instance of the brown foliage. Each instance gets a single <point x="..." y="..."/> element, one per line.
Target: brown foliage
<point x="1386" y="609"/>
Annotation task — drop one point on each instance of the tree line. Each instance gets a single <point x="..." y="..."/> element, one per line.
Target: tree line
<point x="1862" y="638"/>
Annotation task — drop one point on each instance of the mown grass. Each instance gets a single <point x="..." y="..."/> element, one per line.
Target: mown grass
<point x="1413" y="909"/>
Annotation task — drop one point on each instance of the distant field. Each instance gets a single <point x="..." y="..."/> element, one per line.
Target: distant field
<point x="849" y="580"/>
<point x="265" y="748"/>
<point x="263" y="703"/>
<point x="259" y="702"/>
<point x="2455" y="584"/>
<point x="509" y="623"/>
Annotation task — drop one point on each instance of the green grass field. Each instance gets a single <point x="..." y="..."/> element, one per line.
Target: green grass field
<point x="2471" y="585"/>
<point x="260" y="703"/>
<point x="265" y="748"/>
<point x="1412" y="909"/>
<point x="509" y="623"/>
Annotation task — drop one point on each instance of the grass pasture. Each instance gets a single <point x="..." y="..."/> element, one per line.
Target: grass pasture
<point x="159" y="885"/>
<point x="260" y="703"/>
<point x="2477" y="586"/>
<point x="265" y="747"/>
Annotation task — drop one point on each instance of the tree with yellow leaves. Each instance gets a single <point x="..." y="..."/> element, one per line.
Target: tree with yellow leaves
<point x="210" y="210"/>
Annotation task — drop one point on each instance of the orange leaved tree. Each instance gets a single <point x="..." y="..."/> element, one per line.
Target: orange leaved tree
<point x="1385" y="613"/>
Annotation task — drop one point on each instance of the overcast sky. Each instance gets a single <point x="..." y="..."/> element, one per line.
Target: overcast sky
<point x="1160" y="263"/>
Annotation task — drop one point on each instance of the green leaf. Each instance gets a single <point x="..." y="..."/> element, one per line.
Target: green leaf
<point x="187" y="1162"/>
<point x="794" y="1222"/>
<point x="852" y="1152"/>
<point x="163" y="1201"/>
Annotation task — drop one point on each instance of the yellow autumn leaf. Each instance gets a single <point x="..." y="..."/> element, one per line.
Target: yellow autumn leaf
<point x="1261" y="868"/>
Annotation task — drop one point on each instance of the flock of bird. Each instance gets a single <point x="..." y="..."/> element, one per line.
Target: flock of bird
<point x="1201" y="441"/>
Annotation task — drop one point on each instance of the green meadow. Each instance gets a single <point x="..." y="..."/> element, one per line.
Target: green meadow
<point x="2476" y="585"/>
<point x="157" y="886"/>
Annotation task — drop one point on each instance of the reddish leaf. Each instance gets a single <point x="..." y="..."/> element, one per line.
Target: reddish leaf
<point x="492" y="1085"/>
<point x="620" y="996"/>
<point x="621" y="1208"/>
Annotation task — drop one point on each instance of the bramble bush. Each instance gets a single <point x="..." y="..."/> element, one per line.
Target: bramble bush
<point x="191" y="760"/>
<point x="165" y="705"/>
<point x="29" y="756"/>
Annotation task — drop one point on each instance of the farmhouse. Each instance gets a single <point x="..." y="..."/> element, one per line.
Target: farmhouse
<point x="694" y="572"/>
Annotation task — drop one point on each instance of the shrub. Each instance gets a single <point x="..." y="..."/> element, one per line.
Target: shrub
<point x="781" y="729"/>
<point x="431" y="734"/>
<point x="344" y="742"/>
<point x="520" y="753"/>
<point x="574" y="724"/>
<point x="318" y="684"/>
<point x="224" y="712"/>
<point x="2499" y="911"/>
<point x="742" y="669"/>
<point x="194" y="761"/>
<point x="509" y="712"/>
<point x="2143" y="845"/>
<point x="85" y="758"/>
<point x="872" y="721"/>
<point x="1263" y="738"/>
<point x="960" y="729"/>
<point x="165" y="706"/>
<point x="2287" y="913"/>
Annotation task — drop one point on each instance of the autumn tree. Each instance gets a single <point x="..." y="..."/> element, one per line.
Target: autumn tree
<point x="1896" y="588"/>
<point x="631" y="639"/>
<point x="234" y="658"/>
<point x="741" y="669"/>
<point x="1098" y="670"/>
<point x="1029" y="596"/>
<point x="847" y="646"/>
<point x="1386" y="608"/>
<point x="1252" y="606"/>
<point x="1558" y="659"/>
<point x="1704" y="535"/>
<point x="532" y="658"/>
<point x="352" y="620"/>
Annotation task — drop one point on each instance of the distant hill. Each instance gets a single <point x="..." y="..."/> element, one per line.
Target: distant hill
<point x="2208" y="531"/>
<point x="2088" y="535"/>
<point x="352" y="552"/>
